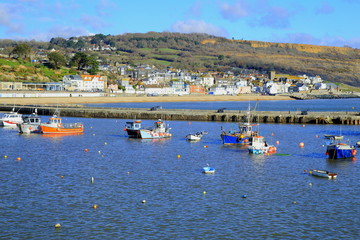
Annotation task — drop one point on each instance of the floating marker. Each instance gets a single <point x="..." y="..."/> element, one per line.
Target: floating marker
<point x="178" y="156"/>
<point x="206" y="146"/>
<point x="244" y="196"/>
<point x="92" y="179"/>
<point x="105" y="143"/>
<point x="204" y="192"/>
<point x="317" y="136"/>
<point x="294" y="202"/>
<point x="61" y="176"/>
<point x="310" y="184"/>
<point x="301" y="144"/>
<point x="5" y="156"/>
<point x="19" y="158"/>
<point x="277" y="142"/>
<point x="95" y="206"/>
<point x="57" y="225"/>
<point x="86" y="150"/>
<point x="143" y="201"/>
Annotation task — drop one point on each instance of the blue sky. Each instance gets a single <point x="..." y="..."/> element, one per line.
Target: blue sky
<point x="319" y="22"/>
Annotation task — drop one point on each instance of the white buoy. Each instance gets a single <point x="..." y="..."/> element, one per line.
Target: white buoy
<point x="92" y="179"/>
<point x="143" y="201"/>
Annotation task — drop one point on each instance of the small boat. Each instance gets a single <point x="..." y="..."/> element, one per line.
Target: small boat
<point x="31" y="124"/>
<point x="259" y="146"/>
<point x="323" y="173"/>
<point x="55" y="126"/>
<point x="11" y="119"/>
<point x="208" y="170"/>
<point x="333" y="137"/>
<point x="242" y="136"/>
<point x="340" y="150"/>
<point x="195" y="137"/>
<point x="159" y="130"/>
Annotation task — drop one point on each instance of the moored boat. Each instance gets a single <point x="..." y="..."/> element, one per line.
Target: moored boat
<point x="55" y="126"/>
<point x="208" y="170"/>
<point x="323" y="173"/>
<point x="31" y="124"/>
<point x="134" y="129"/>
<point x="333" y="137"/>
<point x="242" y="136"/>
<point x="194" y="137"/>
<point x="259" y="146"/>
<point x="340" y="150"/>
<point x="11" y="119"/>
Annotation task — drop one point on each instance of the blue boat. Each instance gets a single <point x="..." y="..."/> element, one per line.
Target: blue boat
<point x="242" y="136"/>
<point x="340" y="150"/>
<point x="135" y="130"/>
<point x="208" y="170"/>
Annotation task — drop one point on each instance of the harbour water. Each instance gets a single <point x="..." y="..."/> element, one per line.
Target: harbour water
<point x="249" y="196"/>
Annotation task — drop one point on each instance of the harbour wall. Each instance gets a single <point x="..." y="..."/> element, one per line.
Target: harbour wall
<point x="287" y="117"/>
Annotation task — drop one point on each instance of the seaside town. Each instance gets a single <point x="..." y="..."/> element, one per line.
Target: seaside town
<point x="149" y="81"/>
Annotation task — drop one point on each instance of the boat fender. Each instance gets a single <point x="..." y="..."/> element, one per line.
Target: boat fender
<point x="353" y="152"/>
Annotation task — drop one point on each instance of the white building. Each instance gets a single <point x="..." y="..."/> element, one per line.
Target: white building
<point x="86" y="83"/>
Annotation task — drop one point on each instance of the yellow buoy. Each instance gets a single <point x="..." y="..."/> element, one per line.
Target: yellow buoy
<point x="57" y="225"/>
<point x="5" y="156"/>
<point x="178" y="156"/>
<point x="61" y="176"/>
<point x="204" y="192"/>
<point x="19" y="158"/>
<point x="95" y="206"/>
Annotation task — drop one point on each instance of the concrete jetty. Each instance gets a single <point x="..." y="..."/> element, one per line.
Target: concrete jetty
<point x="286" y="117"/>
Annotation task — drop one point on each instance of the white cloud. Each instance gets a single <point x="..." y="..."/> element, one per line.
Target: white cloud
<point x="60" y="31"/>
<point x="196" y="26"/>
<point x="235" y="11"/>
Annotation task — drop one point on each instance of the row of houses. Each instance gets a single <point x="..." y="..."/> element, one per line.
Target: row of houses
<point x="146" y="80"/>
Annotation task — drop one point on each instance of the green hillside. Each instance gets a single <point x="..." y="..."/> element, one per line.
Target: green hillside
<point x="196" y="52"/>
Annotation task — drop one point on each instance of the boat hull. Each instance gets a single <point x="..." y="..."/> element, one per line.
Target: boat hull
<point x="29" y="128"/>
<point x="323" y="173"/>
<point x="147" y="134"/>
<point x="234" y="139"/>
<point x="61" y="130"/>
<point x="339" y="151"/>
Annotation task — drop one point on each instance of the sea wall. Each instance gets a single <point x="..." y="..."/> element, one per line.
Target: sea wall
<point x="297" y="117"/>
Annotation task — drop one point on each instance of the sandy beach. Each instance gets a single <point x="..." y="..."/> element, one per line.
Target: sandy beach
<point x="119" y="99"/>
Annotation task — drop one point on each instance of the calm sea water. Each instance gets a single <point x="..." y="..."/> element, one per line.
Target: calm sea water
<point x="282" y="202"/>
<point x="319" y="105"/>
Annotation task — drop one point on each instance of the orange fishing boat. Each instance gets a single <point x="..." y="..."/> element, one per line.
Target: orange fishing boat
<point x="55" y="126"/>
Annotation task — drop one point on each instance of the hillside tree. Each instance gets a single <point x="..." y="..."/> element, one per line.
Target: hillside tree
<point x="56" y="60"/>
<point x="21" y="50"/>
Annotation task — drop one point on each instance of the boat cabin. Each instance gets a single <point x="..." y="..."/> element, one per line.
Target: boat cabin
<point x="133" y="125"/>
<point x="32" y="119"/>
<point x="258" y="141"/>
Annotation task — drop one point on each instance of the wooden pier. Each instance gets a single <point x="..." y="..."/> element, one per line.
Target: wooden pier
<point x="285" y="117"/>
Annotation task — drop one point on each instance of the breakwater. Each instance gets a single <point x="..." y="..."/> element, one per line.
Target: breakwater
<point x="296" y="117"/>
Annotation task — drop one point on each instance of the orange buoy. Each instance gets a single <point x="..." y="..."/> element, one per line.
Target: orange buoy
<point x="19" y="158"/>
<point x="277" y="142"/>
<point x="301" y="144"/>
<point x="86" y="150"/>
<point x="95" y="206"/>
